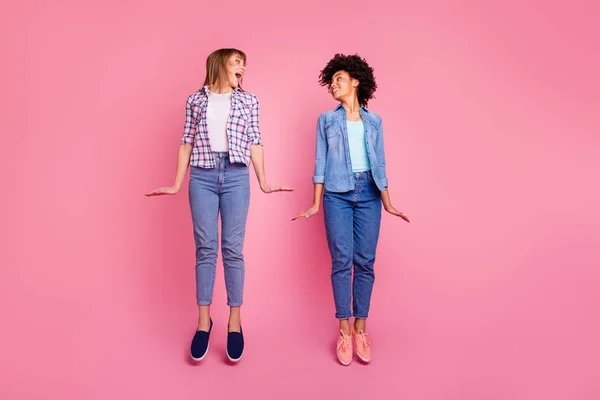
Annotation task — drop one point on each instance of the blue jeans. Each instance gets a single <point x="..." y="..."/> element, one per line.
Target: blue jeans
<point x="222" y="190"/>
<point x="352" y="221"/>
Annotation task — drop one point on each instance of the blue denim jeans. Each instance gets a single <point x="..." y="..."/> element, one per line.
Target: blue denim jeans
<point x="352" y="221"/>
<point x="223" y="190"/>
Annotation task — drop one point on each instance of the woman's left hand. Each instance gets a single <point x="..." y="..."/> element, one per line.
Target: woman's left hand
<point x="397" y="213"/>
<point x="266" y="188"/>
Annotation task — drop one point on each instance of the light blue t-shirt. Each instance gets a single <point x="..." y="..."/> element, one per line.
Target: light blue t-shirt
<point x="358" y="146"/>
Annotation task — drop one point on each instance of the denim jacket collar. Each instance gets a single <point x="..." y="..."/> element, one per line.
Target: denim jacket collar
<point x="341" y="107"/>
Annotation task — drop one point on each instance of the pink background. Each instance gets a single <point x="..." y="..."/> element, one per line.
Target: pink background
<point x="491" y="116"/>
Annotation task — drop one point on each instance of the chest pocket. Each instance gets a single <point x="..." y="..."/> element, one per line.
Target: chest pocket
<point x="371" y="133"/>
<point x="333" y="133"/>
<point x="240" y="112"/>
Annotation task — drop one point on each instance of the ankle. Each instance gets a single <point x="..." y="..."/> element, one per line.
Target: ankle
<point x="204" y="318"/>
<point x="204" y="323"/>
<point x="360" y="325"/>
<point x="234" y="324"/>
<point x="345" y="326"/>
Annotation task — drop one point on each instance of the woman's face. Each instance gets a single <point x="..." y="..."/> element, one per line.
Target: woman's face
<point x="235" y="70"/>
<point x="342" y="86"/>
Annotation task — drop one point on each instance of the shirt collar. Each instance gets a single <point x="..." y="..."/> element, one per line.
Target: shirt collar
<point x="206" y="91"/>
<point x="362" y="108"/>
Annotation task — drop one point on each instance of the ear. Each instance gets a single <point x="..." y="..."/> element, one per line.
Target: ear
<point x="355" y="83"/>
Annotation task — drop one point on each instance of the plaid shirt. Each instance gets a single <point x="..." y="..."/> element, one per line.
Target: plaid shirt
<point x="242" y="128"/>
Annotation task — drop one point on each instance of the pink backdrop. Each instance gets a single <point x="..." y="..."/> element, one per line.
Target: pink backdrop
<point x="491" y="121"/>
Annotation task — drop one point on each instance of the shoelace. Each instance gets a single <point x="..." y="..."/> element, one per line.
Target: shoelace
<point x="346" y="341"/>
<point x="363" y="339"/>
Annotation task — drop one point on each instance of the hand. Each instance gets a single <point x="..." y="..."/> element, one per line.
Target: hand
<point x="266" y="188"/>
<point x="163" y="190"/>
<point x="397" y="213"/>
<point x="306" y="214"/>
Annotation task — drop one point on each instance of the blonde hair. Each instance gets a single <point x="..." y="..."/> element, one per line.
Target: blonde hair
<point x="216" y="65"/>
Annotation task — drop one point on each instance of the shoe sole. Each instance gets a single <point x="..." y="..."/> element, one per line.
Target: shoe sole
<point x="203" y="355"/>
<point x="345" y="364"/>
<point x="364" y="359"/>
<point x="234" y="360"/>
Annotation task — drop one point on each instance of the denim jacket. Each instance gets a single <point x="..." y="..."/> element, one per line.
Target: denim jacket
<point x="333" y="166"/>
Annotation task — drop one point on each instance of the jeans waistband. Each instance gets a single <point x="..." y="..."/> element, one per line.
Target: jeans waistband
<point x="221" y="154"/>
<point x="363" y="174"/>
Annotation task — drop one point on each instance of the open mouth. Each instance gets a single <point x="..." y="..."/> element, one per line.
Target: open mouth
<point x="239" y="76"/>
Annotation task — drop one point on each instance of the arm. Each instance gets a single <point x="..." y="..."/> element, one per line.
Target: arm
<point x="257" y="152"/>
<point x="314" y="208"/>
<point x="387" y="205"/>
<point x="184" y="154"/>
<point x="257" y="155"/>
<point x="319" y="175"/>
<point x="320" y="153"/>
<point x="385" y="194"/>
<point x="183" y="160"/>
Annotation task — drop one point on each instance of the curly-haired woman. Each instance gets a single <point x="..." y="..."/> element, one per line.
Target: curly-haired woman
<point x="350" y="176"/>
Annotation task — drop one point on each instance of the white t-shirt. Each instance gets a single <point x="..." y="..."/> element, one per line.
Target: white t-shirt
<point x="217" y="113"/>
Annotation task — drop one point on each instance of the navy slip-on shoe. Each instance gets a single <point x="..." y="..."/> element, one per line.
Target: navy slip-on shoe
<point x="235" y="345"/>
<point x="199" y="346"/>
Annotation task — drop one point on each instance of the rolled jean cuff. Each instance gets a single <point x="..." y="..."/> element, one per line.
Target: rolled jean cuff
<point x="342" y="317"/>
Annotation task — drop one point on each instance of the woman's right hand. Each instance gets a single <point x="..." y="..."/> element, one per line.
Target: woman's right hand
<point x="163" y="190"/>
<point x="308" y="213"/>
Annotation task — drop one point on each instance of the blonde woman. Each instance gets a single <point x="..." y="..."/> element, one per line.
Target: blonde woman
<point x="221" y="137"/>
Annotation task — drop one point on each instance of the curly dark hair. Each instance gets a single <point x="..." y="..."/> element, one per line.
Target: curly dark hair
<point x="357" y="68"/>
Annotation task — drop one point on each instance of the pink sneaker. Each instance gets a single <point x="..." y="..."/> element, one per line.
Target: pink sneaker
<point x="344" y="348"/>
<point x="363" y="345"/>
